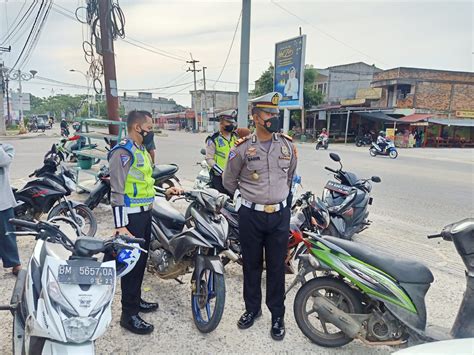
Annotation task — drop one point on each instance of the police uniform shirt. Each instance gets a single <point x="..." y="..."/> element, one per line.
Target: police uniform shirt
<point x="211" y="146"/>
<point x="263" y="177"/>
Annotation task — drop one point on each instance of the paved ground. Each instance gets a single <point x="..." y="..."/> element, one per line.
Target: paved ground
<point x="421" y="191"/>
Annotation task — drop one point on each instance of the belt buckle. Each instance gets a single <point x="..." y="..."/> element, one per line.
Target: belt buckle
<point x="269" y="208"/>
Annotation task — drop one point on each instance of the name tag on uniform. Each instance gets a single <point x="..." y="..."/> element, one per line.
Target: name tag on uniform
<point x="140" y="160"/>
<point x="284" y="157"/>
<point x="253" y="158"/>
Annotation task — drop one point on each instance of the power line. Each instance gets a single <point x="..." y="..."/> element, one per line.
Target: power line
<point x="324" y="32"/>
<point x="19" y="26"/>
<point x="230" y="49"/>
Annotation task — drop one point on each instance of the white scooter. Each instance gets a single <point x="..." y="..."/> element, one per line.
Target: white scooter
<point x="62" y="303"/>
<point x="322" y="142"/>
<point x="203" y="179"/>
<point x="390" y="150"/>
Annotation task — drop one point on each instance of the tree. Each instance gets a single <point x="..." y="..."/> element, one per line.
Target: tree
<point x="264" y="84"/>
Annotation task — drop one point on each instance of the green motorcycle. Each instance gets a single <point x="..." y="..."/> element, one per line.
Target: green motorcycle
<point x="361" y="293"/>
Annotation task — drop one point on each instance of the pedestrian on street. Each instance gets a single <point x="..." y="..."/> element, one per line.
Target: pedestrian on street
<point x="132" y="195"/>
<point x="218" y="147"/>
<point x="261" y="166"/>
<point x="8" y="247"/>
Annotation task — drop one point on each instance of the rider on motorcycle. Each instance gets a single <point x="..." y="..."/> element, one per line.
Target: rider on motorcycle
<point x="64" y="127"/>
<point x="80" y="141"/>
<point x="382" y="141"/>
<point x="324" y="133"/>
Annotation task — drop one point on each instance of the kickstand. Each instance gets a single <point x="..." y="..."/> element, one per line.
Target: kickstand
<point x="179" y="281"/>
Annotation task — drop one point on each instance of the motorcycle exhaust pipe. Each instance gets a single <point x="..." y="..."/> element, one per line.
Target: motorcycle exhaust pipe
<point x="231" y="255"/>
<point x="329" y="312"/>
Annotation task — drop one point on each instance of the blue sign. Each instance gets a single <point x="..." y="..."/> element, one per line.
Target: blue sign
<point x="289" y="71"/>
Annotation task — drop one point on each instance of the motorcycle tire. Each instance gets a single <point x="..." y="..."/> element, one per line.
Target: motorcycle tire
<point x="393" y="154"/>
<point x="372" y="152"/>
<point x="215" y="289"/>
<point x="86" y="218"/>
<point x="349" y="302"/>
<point x="359" y="144"/>
<point x="318" y="146"/>
<point x="326" y="147"/>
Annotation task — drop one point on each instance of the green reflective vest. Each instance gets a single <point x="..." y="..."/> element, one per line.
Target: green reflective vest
<point x="223" y="147"/>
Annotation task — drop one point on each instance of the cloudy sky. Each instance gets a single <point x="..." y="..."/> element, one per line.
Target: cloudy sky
<point x="389" y="34"/>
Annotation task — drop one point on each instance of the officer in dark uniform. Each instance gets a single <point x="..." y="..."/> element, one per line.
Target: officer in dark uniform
<point x="261" y="166"/>
<point x="218" y="147"/>
<point x="132" y="195"/>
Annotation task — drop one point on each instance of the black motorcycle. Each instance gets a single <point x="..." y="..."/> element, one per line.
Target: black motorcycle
<point x="175" y="249"/>
<point x="364" y="140"/>
<point x="347" y="200"/>
<point x="164" y="175"/>
<point x="48" y="192"/>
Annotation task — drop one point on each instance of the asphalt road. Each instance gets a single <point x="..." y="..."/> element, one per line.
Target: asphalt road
<point x="421" y="191"/>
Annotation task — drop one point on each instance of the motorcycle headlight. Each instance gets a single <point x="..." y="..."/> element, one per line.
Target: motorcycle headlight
<point x="57" y="298"/>
<point x="106" y="298"/>
<point x="79" y="329"/>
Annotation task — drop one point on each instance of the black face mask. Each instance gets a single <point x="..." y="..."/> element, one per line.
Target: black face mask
<point x="230" y="128"/>
<point x="147" y="136"/>
<point x="272" y="124"/>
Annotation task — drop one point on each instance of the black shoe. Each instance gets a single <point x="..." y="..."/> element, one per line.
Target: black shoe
<point x="135" y="324"/>
<point x="247" y="319"/>
<point x="146" y="307"/>
<point x="278" y="328"/>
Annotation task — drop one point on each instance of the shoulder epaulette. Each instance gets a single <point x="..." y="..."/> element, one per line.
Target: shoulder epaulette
<point x="212" y="137"/>
<point x="287" y="137"/>
<point x="241" y="140"/>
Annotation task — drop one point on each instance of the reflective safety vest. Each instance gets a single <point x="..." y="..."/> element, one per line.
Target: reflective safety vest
<point x="223" y="147"/>
<point x="139" y="184"/>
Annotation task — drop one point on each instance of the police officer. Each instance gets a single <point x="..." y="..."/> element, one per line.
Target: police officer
<point x="261" y="166"/>
<point x="132" y="196"/>
<point x="218" y="146"/>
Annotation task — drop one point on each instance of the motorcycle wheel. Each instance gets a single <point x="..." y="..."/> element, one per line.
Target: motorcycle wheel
<point x="326" y="147"/>
<point x="212" y="293"/>
<point x="85" y="218"/>
<point x="318" y="146"/>
<point x="393" y="154"/>
<point x="372" y="152"/>
<point x="359" y="144"/>
<point x="311" y="324"/>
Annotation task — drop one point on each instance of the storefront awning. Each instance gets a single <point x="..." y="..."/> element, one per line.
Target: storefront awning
<point x="452" y="122"/>
<point x="416" y="117"/>
<point x="377" y="116"/>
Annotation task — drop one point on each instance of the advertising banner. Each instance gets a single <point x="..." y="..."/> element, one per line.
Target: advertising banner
<point x="289" y="71"/>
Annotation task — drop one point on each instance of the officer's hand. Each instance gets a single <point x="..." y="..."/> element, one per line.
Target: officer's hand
<point x="173" y="191"/>
<point x="123" y="231"/>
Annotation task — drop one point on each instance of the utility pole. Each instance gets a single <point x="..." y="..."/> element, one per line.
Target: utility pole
<point x="3" y="88"/>
<point x="244" y="65"/>
<point x="205" y="96"/>
<point x="194" y="70"/>
<point x="110" y="75"/>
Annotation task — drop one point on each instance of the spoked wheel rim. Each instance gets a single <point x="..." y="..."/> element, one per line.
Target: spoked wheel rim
<point x="319" y="326"/>
<point x="204" y="299"/>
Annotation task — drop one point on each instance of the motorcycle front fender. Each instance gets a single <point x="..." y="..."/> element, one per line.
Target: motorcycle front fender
<point x="57" y="348"/>
<point x="203" y="262"/>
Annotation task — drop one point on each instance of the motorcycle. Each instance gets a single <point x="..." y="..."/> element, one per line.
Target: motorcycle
<point x="64" y="132"/>
<point x="322" y="142"/>
<point x="203" y="179"/>
<point x="375" y="297"/>
<point x="164" y="175"/>
<point x="347" y="200"/>
<point x="48" y="192"/>
<point x="174" y="250"/>
<point x="390" y="150"/>
<point x="63" y="302"/>
<point x="364" y="140"/>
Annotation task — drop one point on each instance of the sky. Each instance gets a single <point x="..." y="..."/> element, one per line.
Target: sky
<point x="424" y="34"/>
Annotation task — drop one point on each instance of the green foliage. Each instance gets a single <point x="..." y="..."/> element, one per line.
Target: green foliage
<point x="264" y="84"/>
<point x="58" y="105"/>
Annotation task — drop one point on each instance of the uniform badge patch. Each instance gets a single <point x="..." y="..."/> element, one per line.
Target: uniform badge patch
<point x="251" y="151"/>
<point x="124" y="158"/>
<point x="232" y="155"/>
<point x="285" y="151"/>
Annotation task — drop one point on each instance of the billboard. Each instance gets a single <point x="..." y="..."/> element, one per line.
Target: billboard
<point x="15" y="101"/>
<point x="289" y="71"/>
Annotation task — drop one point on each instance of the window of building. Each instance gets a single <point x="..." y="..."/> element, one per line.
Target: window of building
<point x="403" y="90"/>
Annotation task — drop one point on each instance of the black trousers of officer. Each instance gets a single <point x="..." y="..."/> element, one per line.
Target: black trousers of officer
<point x="216" y="183"/>
<point x="269" y="231"/>
<point x="139" y="224"/>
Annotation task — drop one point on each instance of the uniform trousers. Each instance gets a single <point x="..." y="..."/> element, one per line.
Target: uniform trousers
<point x="269" y="231"/>
<point x="216" y="183"/>
<point x="139" y="224"/>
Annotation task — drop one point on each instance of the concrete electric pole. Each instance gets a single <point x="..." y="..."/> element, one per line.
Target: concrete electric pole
<point x="3" y="89"/>
<point x="206" y="110"/>
<point x="244" y="65"/>
<point x="110" y="75"/>
<point x="194" y="70"/>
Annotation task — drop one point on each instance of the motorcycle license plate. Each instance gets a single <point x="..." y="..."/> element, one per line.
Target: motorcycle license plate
<point x="337" y="187"/>
<point x="85" y="273"/>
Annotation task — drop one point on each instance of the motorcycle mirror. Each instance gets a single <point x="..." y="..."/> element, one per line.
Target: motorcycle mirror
<point x="376" y="179"/>
<point x="334" y="157"/>
<point x="203" y="151"/>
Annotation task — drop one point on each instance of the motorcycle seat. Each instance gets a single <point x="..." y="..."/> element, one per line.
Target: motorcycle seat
<point x="160" y="171"/>
<point x="170" y="217"/>
<point x="403" y="270"/>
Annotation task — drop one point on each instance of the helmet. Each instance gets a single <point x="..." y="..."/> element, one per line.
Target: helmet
<point x="76" y="126"/>
<point x="125" y="259"/>
<point x="324" y="130"/>
<point x="382" y="133"/>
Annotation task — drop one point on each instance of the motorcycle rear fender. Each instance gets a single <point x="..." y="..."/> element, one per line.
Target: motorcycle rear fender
<point x="97" y="194"/>
<point x="187" y="241"/>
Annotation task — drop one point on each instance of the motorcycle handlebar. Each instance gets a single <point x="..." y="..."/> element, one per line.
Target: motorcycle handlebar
<point x="23" y="223"/>
<point x="434" y="236"/>
<point x="128" y="239"/>
<point x="331" y="170"/>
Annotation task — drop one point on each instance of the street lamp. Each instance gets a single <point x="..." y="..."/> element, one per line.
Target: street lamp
<point x="20" y="76"/>
<point x="86" y="76"/>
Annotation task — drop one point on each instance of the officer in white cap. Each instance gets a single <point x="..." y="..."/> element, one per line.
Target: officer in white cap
<point x="261" y="166"/>
<point x="218" y="147"/>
